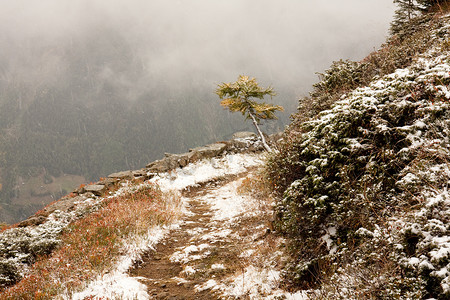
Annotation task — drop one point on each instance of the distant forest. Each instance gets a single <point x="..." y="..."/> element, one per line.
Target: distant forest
<point x="87" y="106"/>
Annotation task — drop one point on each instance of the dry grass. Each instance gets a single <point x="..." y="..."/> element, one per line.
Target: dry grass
<point x="256" y="186"/>
<point x="91" y="246"/>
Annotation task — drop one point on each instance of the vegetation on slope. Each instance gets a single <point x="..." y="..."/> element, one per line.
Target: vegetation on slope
<point x="90" y="245"/>
<point x="362" y="173"/>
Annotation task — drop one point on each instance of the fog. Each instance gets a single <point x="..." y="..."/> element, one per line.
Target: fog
<point x="196" y="42"/>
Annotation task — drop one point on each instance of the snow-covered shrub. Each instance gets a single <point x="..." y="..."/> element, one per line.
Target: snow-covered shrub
<point x="400" y="51"/>
<point x="19" y="248"/>
<point x="370" y="167"/>
<point x="341" y="77"/>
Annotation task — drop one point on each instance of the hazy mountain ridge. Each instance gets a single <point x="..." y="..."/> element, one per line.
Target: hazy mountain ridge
<point x="89" y="113"/>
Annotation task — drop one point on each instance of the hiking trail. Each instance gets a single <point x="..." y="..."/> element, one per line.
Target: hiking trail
<point x="223" y="248"/>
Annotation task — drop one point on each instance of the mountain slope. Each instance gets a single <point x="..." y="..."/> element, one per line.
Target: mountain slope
<point x="364" y="184"/>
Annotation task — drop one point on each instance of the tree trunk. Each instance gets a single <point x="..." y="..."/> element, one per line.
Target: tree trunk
<point x="266" y="146"/>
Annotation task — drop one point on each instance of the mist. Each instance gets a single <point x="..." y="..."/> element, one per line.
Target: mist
<point x="89" y="87"/>
<point x="181" y="43"/>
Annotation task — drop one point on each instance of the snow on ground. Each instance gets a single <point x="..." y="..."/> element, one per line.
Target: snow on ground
<point x="256" y="282"/>
<point x="226" y="203"/>
<point x="16" y="242"/>
<point x="118" y="284"/>
<point x="206" y="170"/>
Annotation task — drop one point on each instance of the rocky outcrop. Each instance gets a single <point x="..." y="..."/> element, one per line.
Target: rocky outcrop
<point x="173" y="161"/>
<point x="96" y="189"/>
<point x="240" y="142"/>
<point x="209" y="151"/>
<point x="121" y="175"/>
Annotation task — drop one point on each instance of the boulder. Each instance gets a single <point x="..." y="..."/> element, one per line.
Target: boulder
<point x="159" y="166"/>
<point x="208" y="151"/>
<point x="108" y="182"/>
<point x="64" y="204"/>
<point x="96" y="189"/>
<point x="32" y="221"/>
<point x="178" y="160"/>
<point x="143" y="173"/>
<point x="169" y="162"/>
<point x="183" y="159"/>
<point x="121" y="175"/>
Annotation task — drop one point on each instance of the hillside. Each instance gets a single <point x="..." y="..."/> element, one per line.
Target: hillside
<point x="363" y="185"/>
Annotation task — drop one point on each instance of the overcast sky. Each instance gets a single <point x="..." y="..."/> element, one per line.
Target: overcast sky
<point x="206" y="42"/>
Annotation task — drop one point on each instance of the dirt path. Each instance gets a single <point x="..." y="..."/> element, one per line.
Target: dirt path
<point x="214" y="243"/>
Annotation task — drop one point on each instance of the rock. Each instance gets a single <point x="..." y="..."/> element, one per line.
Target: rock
<point x="209" y="151"/>
<point x="159" y="166"/>
<point x="121" y="175"/>
<point x="170" y="162"/>
<point x="108" y="182"/>
<point x="183" y="159"/>
<point x="245" y="142"/>
<point x="139" y="173"/>
<point x="79" y="190"/>
<point x="244" y="135"/>
<point x="96" y="189"/>
<point x="178" y="160"/>
<point x="33" y="221"/>
<point x="64" y="204"/>
<point x="242" y="141"/>
<point x="143" y="173"/>
<point x="89" y="195"/>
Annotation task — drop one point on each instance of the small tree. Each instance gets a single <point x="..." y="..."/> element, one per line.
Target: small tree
<point x="409" y="9"/>
<point x="238" y="96"/>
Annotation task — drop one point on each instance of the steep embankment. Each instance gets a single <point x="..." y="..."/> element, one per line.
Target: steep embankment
<point x="364" y="185"/>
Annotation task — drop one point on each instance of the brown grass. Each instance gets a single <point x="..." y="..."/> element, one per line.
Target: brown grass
<point x="91" y="246"/>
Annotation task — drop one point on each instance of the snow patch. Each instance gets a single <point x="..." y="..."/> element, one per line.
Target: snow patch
<point x="117" y="284"/>
<point x="206" y="170"/>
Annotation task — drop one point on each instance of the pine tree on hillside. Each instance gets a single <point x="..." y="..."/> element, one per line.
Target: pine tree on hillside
<point x="409" y="9"/>
<point x="237" y="96"/>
